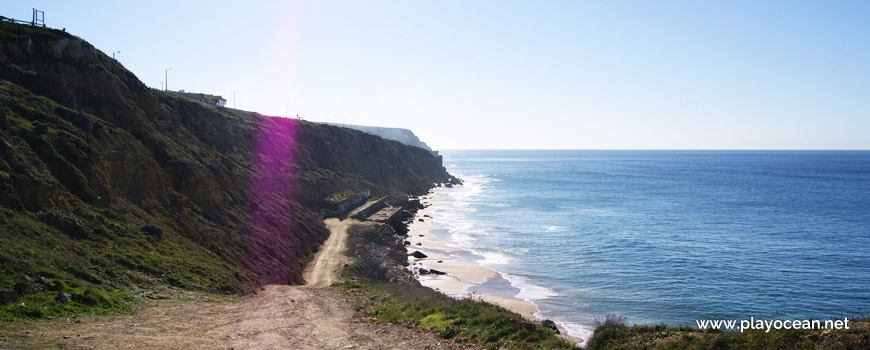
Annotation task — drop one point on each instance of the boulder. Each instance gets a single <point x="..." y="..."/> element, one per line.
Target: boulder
<point x="436" y="272"/>
<point x="419" y="255"/>
<point x="22" y="288"/>
<point x="27" y="278"/>
<point x="45" y="282"/>
<point x="551" y="325"/>
<point x="63" y="298"/>
<point x="8" y="296"/>
<point x="424" y="272"/>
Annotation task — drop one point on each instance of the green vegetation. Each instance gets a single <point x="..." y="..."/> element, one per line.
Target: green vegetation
<point x="459" y="320"/>
<point x="18" y="31"/>
<point x="340" y="196"/>
<point x="98" y="270"/>
<point x="462" y="320"/>
<point x="612" y="333"/>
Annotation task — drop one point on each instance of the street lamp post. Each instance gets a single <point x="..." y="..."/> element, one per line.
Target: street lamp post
<point x="234" y="99"/>
<point x="166" y="86"/>
<point x="113" y="54"/>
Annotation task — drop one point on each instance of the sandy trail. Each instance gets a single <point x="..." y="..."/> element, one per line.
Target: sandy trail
<point x="323" y="270"/>
<point x="278" y="317"/>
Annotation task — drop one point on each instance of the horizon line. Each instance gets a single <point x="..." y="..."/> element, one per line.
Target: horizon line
<point x="663" y="149"/>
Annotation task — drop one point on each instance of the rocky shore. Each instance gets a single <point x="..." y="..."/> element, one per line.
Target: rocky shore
<point x="394" y="253"/>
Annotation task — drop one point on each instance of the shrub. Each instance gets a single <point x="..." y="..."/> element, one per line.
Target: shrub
<point x="153" y="231"/>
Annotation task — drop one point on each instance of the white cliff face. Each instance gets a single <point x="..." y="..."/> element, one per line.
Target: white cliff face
<point x="398" y="134"/>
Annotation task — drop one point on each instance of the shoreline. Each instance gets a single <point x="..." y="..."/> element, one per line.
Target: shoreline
<point x="463" y="278"/>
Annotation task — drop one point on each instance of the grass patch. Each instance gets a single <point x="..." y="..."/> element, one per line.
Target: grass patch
<point x="458" y="319"/>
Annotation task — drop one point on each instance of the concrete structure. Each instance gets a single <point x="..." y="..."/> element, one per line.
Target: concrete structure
<point x="387" y="214"/>
<point x="354" y="201"/>
<point x="370" y="209"/>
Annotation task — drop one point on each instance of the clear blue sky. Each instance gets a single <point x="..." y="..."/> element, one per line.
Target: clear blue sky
<point x="513" y="74"/>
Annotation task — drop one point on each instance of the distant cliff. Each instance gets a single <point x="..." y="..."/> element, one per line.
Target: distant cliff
<point x="398" y="134"/>
<point x="109" y="185"/>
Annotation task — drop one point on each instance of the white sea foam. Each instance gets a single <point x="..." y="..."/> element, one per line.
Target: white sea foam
<point x="462" y="239"/>
<point x="493" y="258"/>
<point x="576" y="330"/>
<point x="529" y="291"/>
<point x="454" y="210"/>
<point x="497" y="205"/>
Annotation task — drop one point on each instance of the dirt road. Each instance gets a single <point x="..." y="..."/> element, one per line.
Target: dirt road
<point x="278" y="317"/>
<point x="323" y="270"/>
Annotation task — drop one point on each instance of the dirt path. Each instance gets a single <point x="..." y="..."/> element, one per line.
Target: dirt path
<point x="278" y="317"/>
<point x="323" y="270"/>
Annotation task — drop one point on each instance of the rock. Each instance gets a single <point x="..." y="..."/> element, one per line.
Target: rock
<point x="36" y="287"/>
<point x="420" y="244"/>
<point x="63" y="297"/>
<point x="440" y="261"/>
<point x="406" y="243"/>
<point x="8" y="296"/>
<point x="551" y="325"/>
<point x="153" y="230"/>
<point x="419" y="255"/>
<point x="449" y="185"/>
<point x="420" y="220"/>
<point x="424" y="272"/>
<point x="45" y="282"/>
<point x="436" y="272"/>
<point x="27" y="278"/>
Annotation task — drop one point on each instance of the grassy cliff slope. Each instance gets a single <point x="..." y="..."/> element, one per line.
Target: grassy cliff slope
<point x="108" y="186"/>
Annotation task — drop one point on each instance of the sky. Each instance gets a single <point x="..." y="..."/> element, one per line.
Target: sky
<point x="512" y="74"/>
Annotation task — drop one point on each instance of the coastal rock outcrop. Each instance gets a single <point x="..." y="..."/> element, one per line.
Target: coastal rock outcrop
<point x="551" y="325"/>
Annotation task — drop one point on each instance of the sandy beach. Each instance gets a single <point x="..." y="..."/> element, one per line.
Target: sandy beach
<point x="462" y="278"/>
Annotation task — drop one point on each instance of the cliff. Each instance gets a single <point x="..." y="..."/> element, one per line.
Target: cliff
<point x="404" y="136"/>
<point x="109" y="186"/>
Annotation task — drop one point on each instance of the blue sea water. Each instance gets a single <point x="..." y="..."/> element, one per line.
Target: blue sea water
<point x="668" y="236"/>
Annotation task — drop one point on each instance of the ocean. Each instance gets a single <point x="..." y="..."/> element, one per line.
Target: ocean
<point x="666" y="236"/>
